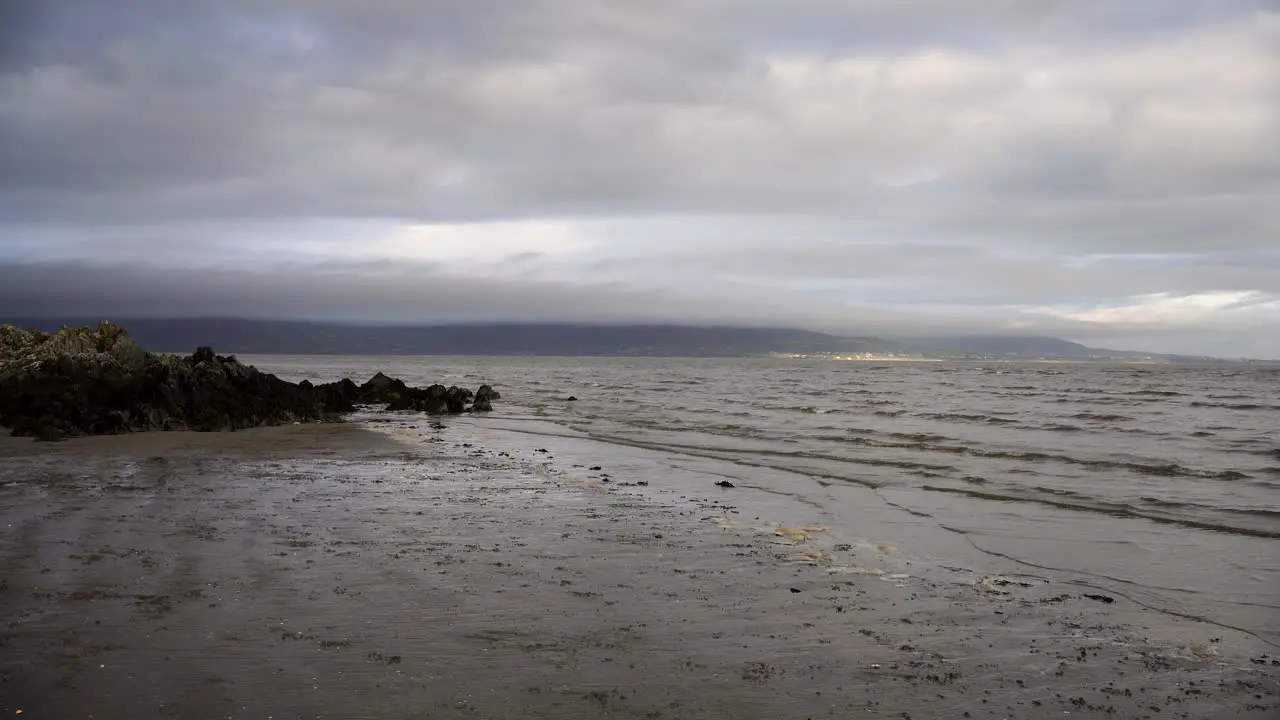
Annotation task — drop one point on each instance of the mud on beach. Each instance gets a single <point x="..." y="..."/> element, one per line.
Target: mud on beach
<point x="386" y="571"/>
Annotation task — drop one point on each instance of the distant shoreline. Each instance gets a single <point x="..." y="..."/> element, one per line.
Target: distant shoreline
<point x="567" y="339"/>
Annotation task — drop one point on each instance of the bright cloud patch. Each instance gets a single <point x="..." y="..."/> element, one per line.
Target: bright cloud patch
<point x="1167" y="310"/>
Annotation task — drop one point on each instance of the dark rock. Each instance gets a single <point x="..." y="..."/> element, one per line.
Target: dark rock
<point x="383" y="389"/>
<point x="456" y="398"/>
<point x="1100" y="598"/>
<point x="81" y="382"/>
<point x="571" y="398"/>
<point x="486" y="392"/>
<point x="379" y="382"/>
<point x="433" y="400"/>
<point x="95" y="381"/>
<point x="482" y="405"/>
<point x="724" y="484"/>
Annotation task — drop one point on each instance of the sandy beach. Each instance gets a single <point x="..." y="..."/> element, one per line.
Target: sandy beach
<point x="383" y="570"/>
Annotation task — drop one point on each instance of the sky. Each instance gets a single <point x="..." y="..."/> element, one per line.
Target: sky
<point x="1103" y="171"/>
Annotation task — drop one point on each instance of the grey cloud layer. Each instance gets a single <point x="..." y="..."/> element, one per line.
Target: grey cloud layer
<point x="427" y="110"/>
<point x="853" y="154"/>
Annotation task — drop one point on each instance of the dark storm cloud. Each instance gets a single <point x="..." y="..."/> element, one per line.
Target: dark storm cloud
<point x="954" y="159"/>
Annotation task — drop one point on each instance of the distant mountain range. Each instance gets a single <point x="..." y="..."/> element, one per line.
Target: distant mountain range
<point x="228" y="335"/>
<point x="1028" y="346"/>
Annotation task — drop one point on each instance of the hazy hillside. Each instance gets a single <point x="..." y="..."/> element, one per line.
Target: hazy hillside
<point x="1006" y="345"/>
<point x="319" y="338"/>
<point x="291" y="337"/>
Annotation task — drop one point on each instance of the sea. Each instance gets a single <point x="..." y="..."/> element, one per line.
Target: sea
<point x="1159" y="483"/>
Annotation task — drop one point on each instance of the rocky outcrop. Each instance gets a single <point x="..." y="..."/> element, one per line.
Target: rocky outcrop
<point x="484" y="399"/>
<point x="82" y="381"/>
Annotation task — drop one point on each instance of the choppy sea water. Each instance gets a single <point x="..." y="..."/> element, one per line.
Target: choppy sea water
<point x="1162" y="482"/>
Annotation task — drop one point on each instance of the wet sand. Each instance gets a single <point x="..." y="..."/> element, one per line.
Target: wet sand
<point x="339" y="571"/>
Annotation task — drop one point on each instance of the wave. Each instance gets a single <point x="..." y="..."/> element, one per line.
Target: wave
<point x="908" y="445"/>
<point x="720" y="452"/>
<point x="1165" y="503"/>
<point x="1235" y="406"/>
<point x="1059" y="491"/>
<point x="1255" y="512"/>
<point x="990" y="419"/>
<point x="735" y="455"/>
<point x="804" y="409"/>
<point x="1101" y="417"/>
<point x="1100" y="401"/>
<point x="918" y="437"/>
<point x="1164" y="470"/>
<point x="1104" y="508"/>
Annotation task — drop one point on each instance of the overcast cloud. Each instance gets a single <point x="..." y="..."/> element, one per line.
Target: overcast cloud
<point x="1104" y="171"/>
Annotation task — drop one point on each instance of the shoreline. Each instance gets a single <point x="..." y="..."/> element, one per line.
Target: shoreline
<point x="393" y="569"/>
<point x="318" y="437"/>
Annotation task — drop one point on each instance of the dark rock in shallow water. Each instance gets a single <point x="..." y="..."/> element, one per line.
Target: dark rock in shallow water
<point x="435" y="400"/>
<point x="80" y="381"/>
<point x="724" y="484"/>
<point x="383" y="389"/>
<point x="456" y="399"/>
<point x="379" y="382"/>
<point x="484" y="398"/>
